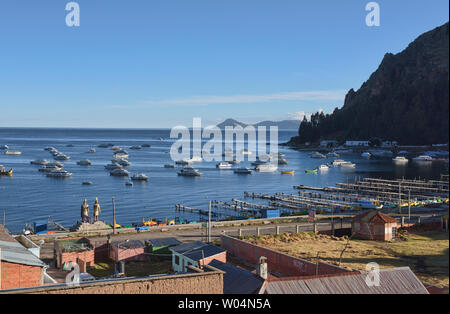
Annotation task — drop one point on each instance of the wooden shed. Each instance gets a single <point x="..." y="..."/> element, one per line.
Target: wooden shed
<point x="374" y="225"/>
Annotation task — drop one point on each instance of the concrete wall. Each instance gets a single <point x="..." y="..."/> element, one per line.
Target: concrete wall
<point x="277" y="262"/>
<point x="15" y="276"/>
<point x="210" y="282"/>
<point x="184" y="261"/>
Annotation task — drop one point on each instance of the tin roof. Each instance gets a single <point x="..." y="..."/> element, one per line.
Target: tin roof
<point x="131" y="244"/>
<point x="13" y="252"/>
<point x="392" y="281"/>
<point x="374" y="216"/>
<point x="164" y="242"/>
<point x="237" y="280"/>
<point x="197" y="250"/>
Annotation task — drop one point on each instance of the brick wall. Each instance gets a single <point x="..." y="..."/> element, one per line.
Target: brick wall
<point x="277" y="262"/>
<point x="20" y="276"/>
<point x="210" y="282"/>
<point x="122" y="254"/>
<point x="220" y="257"/>
<point x="86" y="256"/>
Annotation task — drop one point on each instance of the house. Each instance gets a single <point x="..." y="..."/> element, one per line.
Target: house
<point x="130" y="250"/>
<point x="357" y="143"/>
<point x="374" y="225"/>
<point x="391" y="281"/>
<point x="76" y="250"/>
<point x="237" y="280"/>
<point x="19" y="267"/>
<point x="161" y="246"/>
<point x="196" y="254"/>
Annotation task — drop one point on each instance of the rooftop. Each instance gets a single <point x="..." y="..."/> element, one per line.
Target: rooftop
<point x="197" y="250"/>
<point x="75" y="245"/>
<point x="374" y="216"/>
<point x="131" y="244"/>
<point x="164" y="242"/>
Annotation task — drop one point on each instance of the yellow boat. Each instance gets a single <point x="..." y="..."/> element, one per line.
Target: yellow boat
<point x="287" y="172"/>
<point x="7" y="173"/>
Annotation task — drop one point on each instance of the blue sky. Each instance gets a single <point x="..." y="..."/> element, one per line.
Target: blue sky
<point x="150" y="64"/>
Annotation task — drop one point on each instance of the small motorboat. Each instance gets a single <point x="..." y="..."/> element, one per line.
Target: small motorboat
<point x="119" y="173"/>
<point x="113" y="166"/>
<point x="366" y="155"/>
<point x="323" y="168"/>
<point x="92" y="150"/>
<point x="122" y="162"/>
<point x="347" y="164"/>
<point x="139" y="177"/>
<point x="223" y="166"/>
<point x="145" y="145"/>
<point x="120" y="156"/>
<point x="39" y="162"/>
<point x="259" y="162"/>
<point x="318" y="155"/>
<point x="86" y="162"/>
<point x="234" y="162"/>
<point x="332" y="155"/>
<point x="49" y="168"/>
<point x="136" y="147"/>
<point x="282" y="161"/>
<point x="400" y="160"/>
<point x="243" y="171"/>
<point x="337" y="162"/>
<point x="61" y="157"/>
<point x="423" y="158"/>
<point x="128" y="183"/>
<point x="266" y="168"/>
<point x="169" y="166"/>
<point x="189" y="172"/>
<point x="13" y="152"/>
<point x="311" y="171"/>
<point x="116" y="148"/>
<point x="102" y="146"/>
<point x="86" y="183"/>
<point x="182" y="162"/>
<point x="288" y="172"/>
<point x="4" y="172"/>
<point x="55" y="163"/>
<point x="59" y="174"/>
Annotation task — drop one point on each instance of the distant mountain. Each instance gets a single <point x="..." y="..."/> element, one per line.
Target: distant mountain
<point x="406" y="99"/>
<point x="282" y="125"/>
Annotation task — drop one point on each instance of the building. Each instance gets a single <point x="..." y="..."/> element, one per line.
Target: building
<point x="374" y="225"/>
<point x="19" y="267"/>
<point x="195" y="254"/>
<point x="391" y="281"/>
<point x="77" y="250"/>
<point x="237" y="280"/>
<point x="131" y="250"/>
<point x="161" y="246"/>
<point x="357" y="143"/>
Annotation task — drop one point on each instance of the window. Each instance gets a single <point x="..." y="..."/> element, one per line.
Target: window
<point x="177" y="260"/>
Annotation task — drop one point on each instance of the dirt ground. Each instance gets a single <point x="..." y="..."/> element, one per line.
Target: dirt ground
<point x="426" y="253"/>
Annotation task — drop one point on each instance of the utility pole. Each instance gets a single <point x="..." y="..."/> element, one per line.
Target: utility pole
<point x="4" y="218"/>
<point x="399" y="198"/>
<point x="409" y="206"/>
<point x="114" y="216"/>
<point x="209" y="222"/>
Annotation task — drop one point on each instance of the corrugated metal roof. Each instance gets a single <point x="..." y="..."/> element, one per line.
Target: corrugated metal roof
<point x="164" y="242"/>
<point x="237" y="280"/>
<point x="132" y="244"/>
<point x="189" y="246"/>
<point x="197" y="250"/>
<point x="374" y="217"/>
<point x="13" y="252"/>
<point x="392" y="281"/>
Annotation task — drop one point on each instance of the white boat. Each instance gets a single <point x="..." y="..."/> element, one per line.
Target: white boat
<point x="243" y="171"/>
<point x="49" y="148"/>
<point x="323" y="168"/>
<point x="266" y="168"/>
<point x="92" y="150"/>
<point x="86" y="162"/>
<point x="347" y="164"/>
<point x="380" y="153"/>
<point x="189" y="172"/>
<point x="59" y="174"/>
<point x="139" y="177"/>
<point x="56" y="163"/>
<point x="195" y="159"/>
<point x="48" y="168"/>
<point x="61" y="157"/>
<point x="318" y="155"/>
<point x="39" y="162"/>
<point x="423" y="158"/>
<point x="246" y="152"/>
<point x="13" y="152"/>
<point x="366" y="155"/>
<point x="113" y="166"/>
<point x="223" y="165"/>
<point x="338" y="162"/>
<point x="332" y="155"/>
<point x="122" y="162"/>
<point x="282" y="161"/>
<point x="400" y="160"/>
<point x="116" y="148"/>
<point x="119" y="173"/>
<point x="120" y="156"/>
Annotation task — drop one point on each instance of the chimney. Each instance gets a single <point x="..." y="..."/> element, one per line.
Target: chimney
<point x="261" y="269"/>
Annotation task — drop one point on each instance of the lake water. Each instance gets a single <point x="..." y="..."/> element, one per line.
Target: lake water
<point x="29" y="195"/>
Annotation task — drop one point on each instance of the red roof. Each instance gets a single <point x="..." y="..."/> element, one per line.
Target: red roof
<point x="374" y="216"/>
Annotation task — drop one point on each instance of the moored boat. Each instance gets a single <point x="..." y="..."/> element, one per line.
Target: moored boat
<point x="243" y="171"/>
<point x="139" y="177"/>
<point x="119" y="173"/>
<point x="266" y="168"/>
<point x="291" y="172"/>
<point x="59" y="174"/>
<point x="189" y="172"/>
<point x="223" y="166"/>
<point x="13" y="152"/>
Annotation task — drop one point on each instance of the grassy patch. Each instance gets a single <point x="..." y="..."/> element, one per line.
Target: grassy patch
<point x="133" y="269"/>
<point x="427" y="254"/>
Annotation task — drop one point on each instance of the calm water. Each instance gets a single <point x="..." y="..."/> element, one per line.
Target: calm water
<point x="29" y="195"/>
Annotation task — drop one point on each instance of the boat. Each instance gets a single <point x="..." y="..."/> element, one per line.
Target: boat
<point x="59" y="174"/>
<point x="223" y="165"/>
<point x="423" y="158"/>
<point x="113" y="166"/>
<point x="49" y="148"/>
<point x="145" y="145"/>
<point x="337" y="162"/>
<point x="61" y="157"/>
<point x="119" y="173"/>
<point x="246" y="152"/>
<point x="366" y="155"/>
<point x="139" y="177"/>
<point x="169" y="166"/>
<point x="332" y="155"/>
<point x="400" y="160"/>
<point x="288" y="172"/>
<point x="243" y="171"/>
<point x="86" y="183"/>
<point x="135" y="147"/>
<point x="323" y="167"/>
<point x="92" y="150"/>
<point x="120" y="156"/>
<point x="116" y="148"/>
<point x="182" y="162"/>
<point x="189" y="172"/>
<point x="258" y="163"/>
<point x="123" y="162"/>
<point x="4" y="172"/>
<point x="311" y="171"/>
<point x="347" y="164"/>
<point x="13" y="152"/>
<point x="56" y="163"/>
<point x="49" y="168"/>
<point x="195" y="159"/>
<point x="4" y="147"/>
<point x="102" y="146"/>
<point x="161" y="139"/>
<point x="318" y="155"/>
<point x="282" y="161"/>
<point x="234" y="162"/>
<point x="128" y="183"/>
<point x="39" y="162"/>
<point x="380" y="153"/>
<point x="266" y="168"/>
<point x="86" y="162"/>
<point x="368" y="204"/>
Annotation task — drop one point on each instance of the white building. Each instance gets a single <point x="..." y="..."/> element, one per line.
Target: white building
<point x="357" y="143"/>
